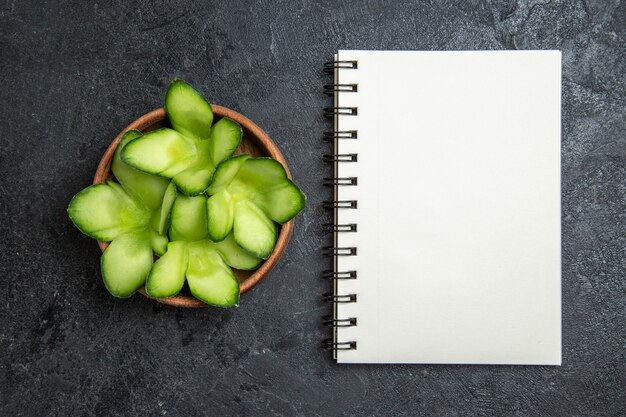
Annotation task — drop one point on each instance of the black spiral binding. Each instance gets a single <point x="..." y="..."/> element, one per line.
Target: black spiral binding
<point x="344" y="134"/>
<point x="331" y="66"/>
<point x="330" y="321"/>
<point x="342" y="157"/>
<point x="331" y="89"/>
<point x="331" y="112"/>
<point x="335" y="158"/>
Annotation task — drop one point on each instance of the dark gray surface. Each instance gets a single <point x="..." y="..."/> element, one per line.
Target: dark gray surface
<point x="75" y="73"/>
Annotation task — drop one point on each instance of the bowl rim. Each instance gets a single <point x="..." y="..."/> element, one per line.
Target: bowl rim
<point x="255" y="134"/>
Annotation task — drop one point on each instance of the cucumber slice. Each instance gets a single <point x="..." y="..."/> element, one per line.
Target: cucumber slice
<point x="188" y="112"/>
<point x="190" y="153"/>
<point x="166" y="206"/>
<point x="158" y="242"/>
<point x="126" y="263"/>
<point x="274" y="192"/>
<point x="163" y="152"/>
<point x="220" y="210"/>
<point x="260" y="173"/>
<point x="209" y="278"/>
<point x="235" y="256"/>
<point x="105" y="211"/>
<point x="147" y="188"/>
<point x="226" y="137"/>
<point x="127" y="137"/>
<point x="196" y="178"/>
<point x="254" y="231"/>
<point x="170" y="154"/>
<point x="281" y="202"/>
<point x="188" y="218"/>
<point x="167" y="276"/>
<point x="225" y="172"/>
<point x="269" y="195"/>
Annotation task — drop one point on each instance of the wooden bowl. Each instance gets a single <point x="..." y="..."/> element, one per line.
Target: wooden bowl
<point x="255" y="142"/>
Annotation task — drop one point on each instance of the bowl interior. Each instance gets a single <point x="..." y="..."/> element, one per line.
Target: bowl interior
<point x="255" y="142"/>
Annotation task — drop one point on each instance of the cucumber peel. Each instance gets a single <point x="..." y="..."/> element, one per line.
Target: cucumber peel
<point x="247" y="196"/>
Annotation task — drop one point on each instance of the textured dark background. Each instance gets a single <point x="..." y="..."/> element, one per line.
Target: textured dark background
<point x="75" y="73"/>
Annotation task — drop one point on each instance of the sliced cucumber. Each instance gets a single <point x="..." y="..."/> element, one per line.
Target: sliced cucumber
<point x="260" y="173"/>
<point x="281" y="202"/>
<point x="147" y="188"/>
<point x="126" y="262"/>
<point x="225" y="172"/>
<point x="273" y="191"/>
<point x="196" y="178"/>
<point x="105" y="211"/>
<point x="166" y="206"/>
<point x="163" y="152"/>
<point x="254" y="231"/>
<point x="188" y="218"/>
<point x="226" y="136"/>
<point x="187" y="111"/>
<point x="190" y="153"/>
<point x="126" y="137"/>
<point x="209" y="278"/>
<point x="158" y="242"/>
<point x="220" y="210"/>
<point x="268" y="193"/>
<point x="235" y="256"/>
<point x="167" y="275"/>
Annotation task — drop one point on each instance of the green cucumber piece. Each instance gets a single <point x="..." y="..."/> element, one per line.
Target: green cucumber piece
<point x="281" y="202"/>
<point x="166" y="206"/>
<point x="210" y="279"/>
<point x="191" y="151"/>
<point x="254" y="231"/>
<point x="193" y="181"/>
<point x="225" y="172"/>
<point x="147" y="188"/>
<point x="188" y="112"/>
<point x="273" y="191"/>
<point x="167" y="276"/>
<point x="220" y="211"/>
<point x="235" y="256"/>
<point x="197" y="177"/>
<point x="168" y="153"/>
<point x="163" y="152"/>
<point x="126" y="262"/>
<point x="158" y="242"/>
<point x="105" y="211"/>
<point x="268" y="193"/>
<point x="226" y="136"/>
<point x="127" y="137"/>
<point x="260" y="173"/>
<point x="188" y="219"/>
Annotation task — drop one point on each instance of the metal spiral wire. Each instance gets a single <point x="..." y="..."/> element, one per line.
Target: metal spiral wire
<point x="335" y="181"/>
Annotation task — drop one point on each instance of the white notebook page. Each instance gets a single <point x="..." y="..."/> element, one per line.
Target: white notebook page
<point x="458" y="239"/>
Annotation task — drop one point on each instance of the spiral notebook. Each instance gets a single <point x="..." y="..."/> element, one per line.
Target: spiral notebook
<point x="446" y="207"/>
